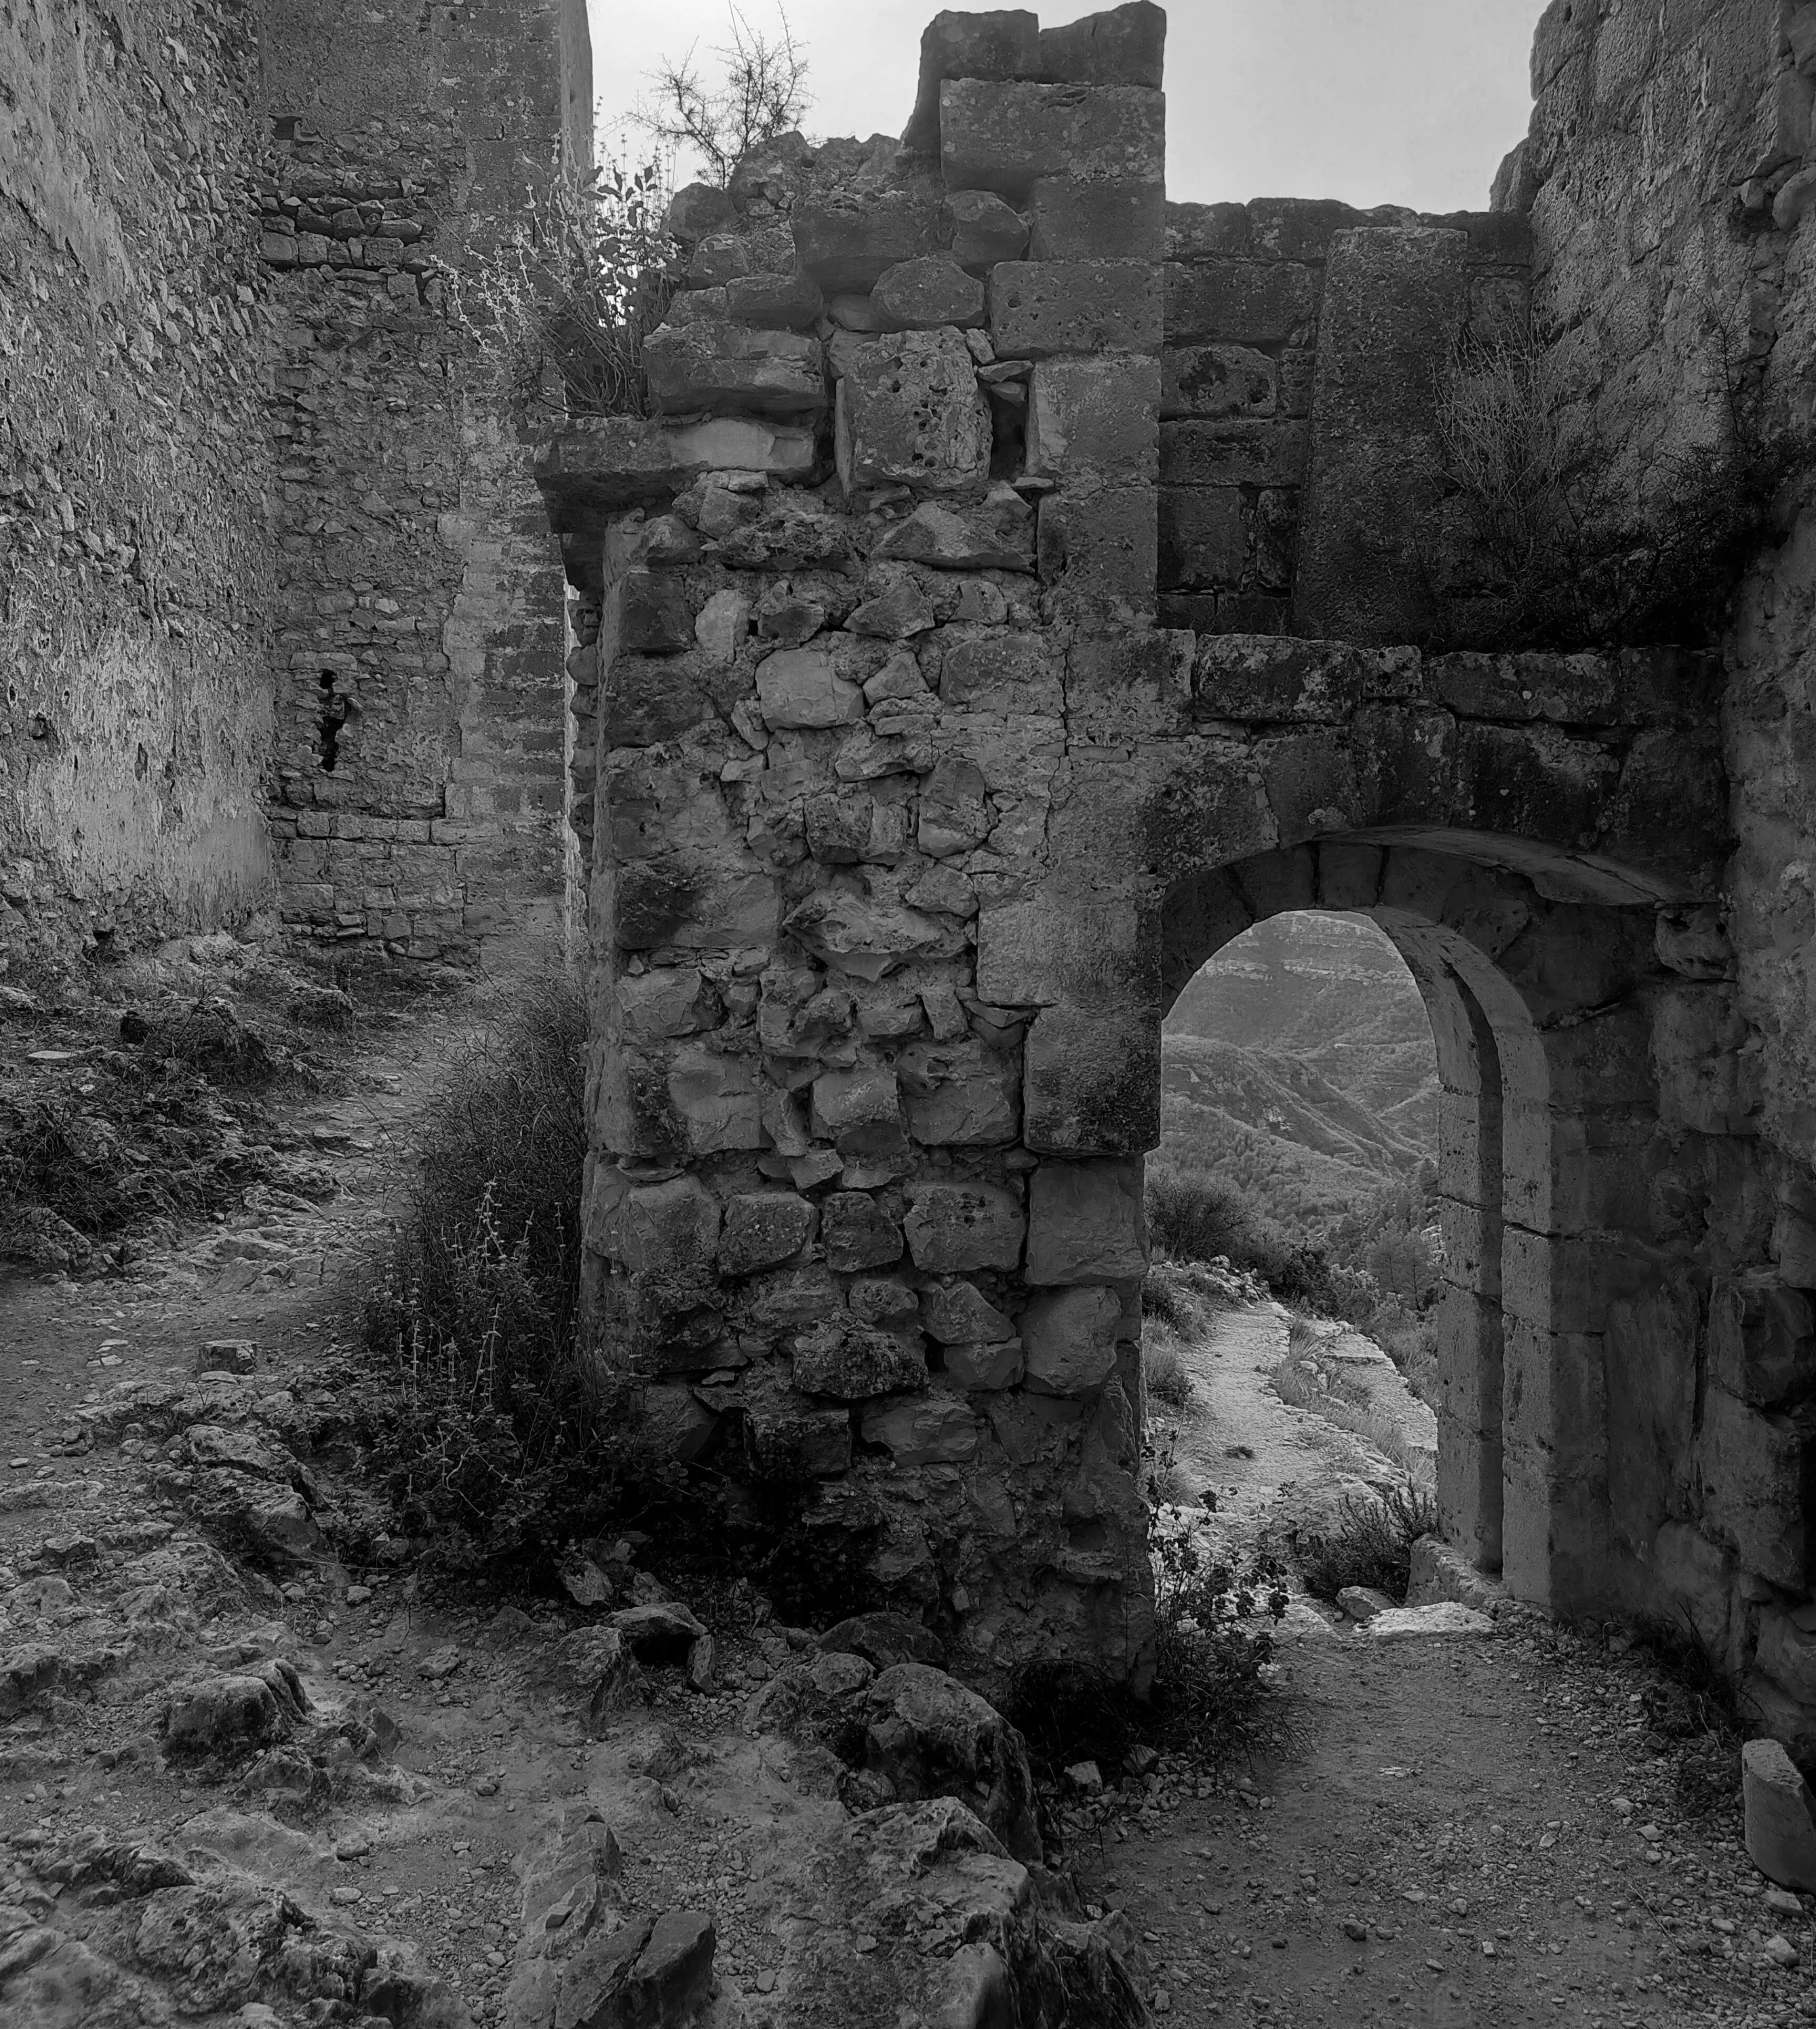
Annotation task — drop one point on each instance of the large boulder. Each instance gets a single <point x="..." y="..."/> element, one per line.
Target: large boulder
<point x="930" y="1736"/>
<point x="228" y="1714"/>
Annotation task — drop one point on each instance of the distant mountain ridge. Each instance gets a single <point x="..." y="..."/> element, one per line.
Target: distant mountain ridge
<point x="1301" y="1059"/>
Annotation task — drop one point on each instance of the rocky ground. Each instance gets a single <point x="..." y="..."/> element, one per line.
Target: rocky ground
<point x="245" y="1777"/>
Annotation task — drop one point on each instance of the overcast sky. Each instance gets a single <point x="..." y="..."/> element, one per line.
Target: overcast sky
<point x="1375" y="101"/>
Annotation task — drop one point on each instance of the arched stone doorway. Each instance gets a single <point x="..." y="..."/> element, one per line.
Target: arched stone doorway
<point x="1541" y="979"/>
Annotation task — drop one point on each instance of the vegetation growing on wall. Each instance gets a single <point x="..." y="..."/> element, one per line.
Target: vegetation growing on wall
<point x="761" y="92"/>
<point x="569" y="296"/>
<point x="1571" y="553"/>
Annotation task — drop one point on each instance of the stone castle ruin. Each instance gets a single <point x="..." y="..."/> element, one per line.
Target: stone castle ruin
<point x="1025" y="584"/>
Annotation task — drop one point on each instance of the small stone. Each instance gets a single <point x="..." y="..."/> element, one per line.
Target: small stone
<point x="227" y="1356"/>
<point x="345" y="1896"/>
<point x="440" y="1663"/>
<point x="1357" y="1933"/>
<point x="1781" y="1902"/>
<point x="1085" y="1777"/>
<point x="1363" y="1602"/>
<point x="1782" y="1952"/>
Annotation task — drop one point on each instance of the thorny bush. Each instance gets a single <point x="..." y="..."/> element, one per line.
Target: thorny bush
<point x="1369" y="1543"/>
<point x="1213" y="1643"/>
<point x="490" y="1432"/>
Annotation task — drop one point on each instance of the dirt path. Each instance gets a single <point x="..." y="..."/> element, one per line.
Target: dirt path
<point x="1473" y="1833"/>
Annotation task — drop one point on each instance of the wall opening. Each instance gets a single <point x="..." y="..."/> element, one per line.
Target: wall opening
<point x="332" y="717"/>
<point x="1300" y="1102"/>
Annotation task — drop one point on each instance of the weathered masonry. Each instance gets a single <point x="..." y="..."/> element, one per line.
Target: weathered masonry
<point x="278" y="620"/>
<point x="1008" y="613"/>
<point x="421" y="764"/>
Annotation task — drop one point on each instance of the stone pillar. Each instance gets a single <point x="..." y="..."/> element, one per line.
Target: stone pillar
<point x="1470" y="1111"/>
<point x="841" y="1240"/>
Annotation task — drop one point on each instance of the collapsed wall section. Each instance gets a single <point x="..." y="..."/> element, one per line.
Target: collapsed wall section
<point x="420" y="769"/>
<point x="135" y="582"/>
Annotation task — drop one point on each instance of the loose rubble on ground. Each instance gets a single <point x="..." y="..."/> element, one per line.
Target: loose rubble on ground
<point x="244" y="1778"/>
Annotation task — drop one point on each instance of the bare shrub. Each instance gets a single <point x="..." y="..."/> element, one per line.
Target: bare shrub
<point x="491" y="1433"/>
<point x="1370" y="1543"/>
<point x="567" y="299"/>
<point x="1573" y="556"/>
<point x="762" y="92"/>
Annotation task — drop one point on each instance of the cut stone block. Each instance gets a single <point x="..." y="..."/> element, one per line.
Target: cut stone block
<point x="909" y="414"/>
<point x="1218" y="381"/>
<point x="704" y="366"/>
<point x="955" y="1227"/>
<point x="1754" y="1469"/>
<point x="1069" y="1340"/>
<point x="1041" y="307"/>
<point x="1086" y="1223"/>
<point x="1762" y="1339"/>
<point x="1781" y="1837"/>
<point x="1240" y="302"/>
<point x="1120" y="46"/>
<point x="1103" y="546"/>
<point x="1003" y="43"/>
<point x="1072" y="220"/>
<point x="1007" y="136"/>
<point x="1095" y="419"/>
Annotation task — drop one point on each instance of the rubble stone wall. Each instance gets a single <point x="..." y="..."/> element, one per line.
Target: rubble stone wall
<point x="135" y="576"/>
<point x="421" y="749"/>
<point x="1668" y="181"/>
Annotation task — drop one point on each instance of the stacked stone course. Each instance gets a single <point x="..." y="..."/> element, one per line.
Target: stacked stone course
<point x="830" y="689"/>
<point x="422" y="754"/>
<point x="1249" y="344"/>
